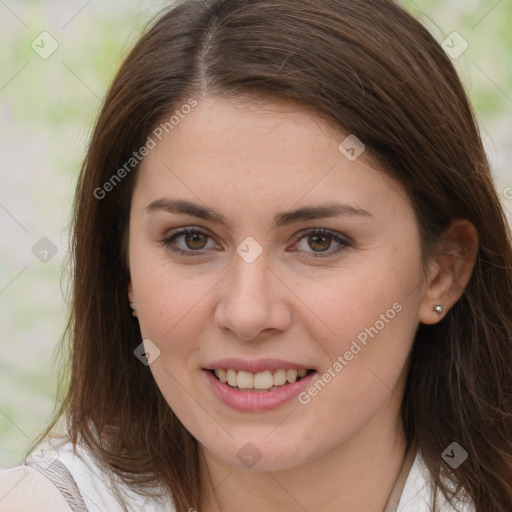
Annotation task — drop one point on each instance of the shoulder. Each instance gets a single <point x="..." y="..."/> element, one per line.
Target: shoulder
<point x="101" y="489"/>
<point x="24" y="489"/>
<point x="24" y="485"/>
<point x="417" y="493"/>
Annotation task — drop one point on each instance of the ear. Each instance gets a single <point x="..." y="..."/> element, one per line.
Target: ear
<point x="450" y="270"/>
<point x="131" y="299"/>
<point x="131" y="296"/>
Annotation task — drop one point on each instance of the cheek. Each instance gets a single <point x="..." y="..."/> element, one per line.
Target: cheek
<point x="171" y="305"/>
<point x="372" y="317"/>
<point x="368" y="358"/>
<point x="166" y="292"/>
<point x="172" y="315"/>
<point x="360" y="300"/>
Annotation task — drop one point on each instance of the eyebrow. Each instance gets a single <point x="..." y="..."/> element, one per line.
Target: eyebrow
<point x="181" y="206"/>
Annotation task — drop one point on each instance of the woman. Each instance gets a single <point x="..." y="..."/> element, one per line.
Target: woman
<point x="292" y="279"/>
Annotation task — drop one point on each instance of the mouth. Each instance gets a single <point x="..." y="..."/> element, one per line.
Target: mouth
<point x="260" y="382"/>
<point x="268" y="386"/>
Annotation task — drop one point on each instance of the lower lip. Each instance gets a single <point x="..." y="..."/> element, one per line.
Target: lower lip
<point x="253" y="401"/>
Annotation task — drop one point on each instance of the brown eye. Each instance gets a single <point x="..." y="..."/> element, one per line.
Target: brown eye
<point x="195" y="240"/>
<point x="189" y="242"/>
<point x="319" y="242"/>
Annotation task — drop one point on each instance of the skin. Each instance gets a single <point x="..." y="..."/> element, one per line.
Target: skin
<point x="343" y="450"/>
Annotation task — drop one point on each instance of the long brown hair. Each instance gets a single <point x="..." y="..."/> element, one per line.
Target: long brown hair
<point x="373" y="70"/>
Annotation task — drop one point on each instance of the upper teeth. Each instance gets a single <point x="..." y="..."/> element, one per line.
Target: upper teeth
<point x="260" y="380"/>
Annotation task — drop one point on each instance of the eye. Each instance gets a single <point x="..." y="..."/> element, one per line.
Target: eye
<point x="321" y="240"/>
<point x="193" y="240"/>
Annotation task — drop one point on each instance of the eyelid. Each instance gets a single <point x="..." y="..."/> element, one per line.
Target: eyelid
<point x="324" y="231"/>
<point x="187" y="229"/>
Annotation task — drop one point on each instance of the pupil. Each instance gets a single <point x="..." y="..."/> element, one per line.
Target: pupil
<point x="320" y="237"/>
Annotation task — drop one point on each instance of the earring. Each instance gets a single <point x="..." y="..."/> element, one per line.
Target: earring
<point x="134" y="310"/>
<point x="438" y="309"/>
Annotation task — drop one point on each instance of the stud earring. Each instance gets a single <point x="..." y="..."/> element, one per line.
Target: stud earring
<point x="134" y="310"/>
<point x="438" y="309"/>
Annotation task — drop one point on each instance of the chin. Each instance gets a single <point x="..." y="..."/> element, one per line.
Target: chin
<point x="260" y="452"/>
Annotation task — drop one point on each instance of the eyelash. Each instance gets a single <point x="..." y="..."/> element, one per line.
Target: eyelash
<point x="344" y="243"/>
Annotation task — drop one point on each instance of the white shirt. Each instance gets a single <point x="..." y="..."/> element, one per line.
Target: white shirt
<point x="24" y="489"/>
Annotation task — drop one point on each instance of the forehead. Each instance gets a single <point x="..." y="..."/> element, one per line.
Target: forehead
<point x="240" y="156"/>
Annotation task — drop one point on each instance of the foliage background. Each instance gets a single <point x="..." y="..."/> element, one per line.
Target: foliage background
<point x="47" y="109"/>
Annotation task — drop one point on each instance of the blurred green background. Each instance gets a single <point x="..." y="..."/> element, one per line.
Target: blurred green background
<point x="47" y="109"/>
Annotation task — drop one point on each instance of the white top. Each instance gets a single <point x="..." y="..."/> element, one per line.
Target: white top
<point x="25" y="489"/>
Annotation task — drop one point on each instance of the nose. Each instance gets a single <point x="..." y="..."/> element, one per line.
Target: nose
<point x="252" y="301"/>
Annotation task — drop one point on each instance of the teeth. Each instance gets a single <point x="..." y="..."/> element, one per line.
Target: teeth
<point x="245" y="380"/>
<point x="259" y="381"/>
<point x="291" y="376"/>
<point x="279" y="377"/>
<point x="231" y="378"/>
<point x="262" y="380"/>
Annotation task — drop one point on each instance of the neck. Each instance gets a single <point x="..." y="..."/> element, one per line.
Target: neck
<point x="357" y="474"/>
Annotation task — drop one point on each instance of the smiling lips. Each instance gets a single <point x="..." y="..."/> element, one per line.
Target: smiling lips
<point x="252" y="399"/>
<point x="257" y="385"/>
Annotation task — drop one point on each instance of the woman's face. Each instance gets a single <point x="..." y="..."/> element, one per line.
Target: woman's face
<point x="255" y="290"/>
